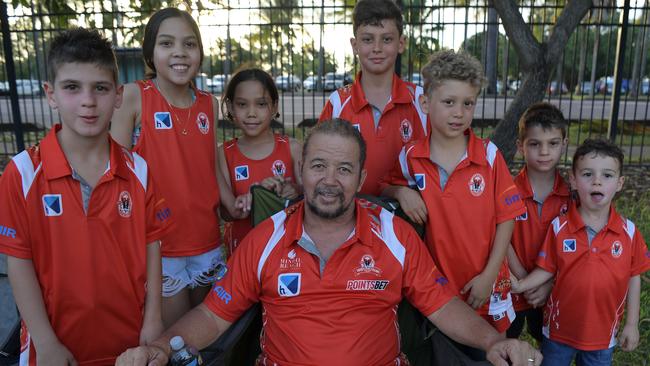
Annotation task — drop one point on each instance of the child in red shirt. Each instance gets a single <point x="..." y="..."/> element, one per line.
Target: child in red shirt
<point x="596" y="257"/>
<point x="542" y="139"/>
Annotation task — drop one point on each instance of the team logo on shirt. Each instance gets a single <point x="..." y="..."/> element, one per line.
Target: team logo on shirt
<point x="203" y="123"/>
<point x="569" y="245"/>
<point x="124" y="204"/>
<point x="367" y="265"/>
<point x="617" y="249"/>
<point x="406" y="130"/>
<point x="52" y="204"/>
<point x="241" y="172"/>
<point x="278" y="168"/>
<point x="292" y="261"/>
<point x="289" y="284"/>
<point x="522" y="217"/>
<point x="162" y="120"/>
<point x="420" y="181"/>
<point x="477" y="185"/>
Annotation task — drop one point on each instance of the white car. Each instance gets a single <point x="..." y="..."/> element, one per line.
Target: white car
<point x="311" y="83"/>
<point x="288" y="83"/>
<point x="218" y="83"/>
<point x="28" y="87"/>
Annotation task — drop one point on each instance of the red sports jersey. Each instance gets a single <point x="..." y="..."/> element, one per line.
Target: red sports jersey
<point x="244" y="172"/>
<point x="591" y="281"/>
<point x="401" y="121"/>
<point x="179" y="145"/>
<point x="91" y="267"/>
<point x="530" y="228"/>
<point x="345" y="315"/>
<point x="462" y="218"/>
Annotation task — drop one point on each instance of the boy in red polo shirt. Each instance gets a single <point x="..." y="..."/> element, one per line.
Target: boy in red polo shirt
<point x="596" y="257"/>
<point x="379" y="104"/>
<point x="542" y="139"/>
<point x="81" y="220"/>
<point x="466" y="194"/>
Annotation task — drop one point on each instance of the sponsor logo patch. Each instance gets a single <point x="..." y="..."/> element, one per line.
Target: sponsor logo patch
<point x="52" y="204"/>
<point x="203" y="123"/>
<point x="406" y="130"/>
<point x="617" y="249"/>
<point x="357" y="127"/>
<point x="442" y="280"/>
<point x="569" y="245"/>
<point x="241" y="172"/>
<point x="289" y="284"/>
<point x="278" y="168"/>
<point x="124" y="204"/>
<point x="512" y="199"/>
<point x="8" y="232"/>
<point x="292" y="261"/>
<point x="222" y="294"/>
<point x="477" y="185"/>
<point x="163" y="214"/>
<point x="366" y="285"/>
<point x="522" y="217"/>
<point x="162" y="120"/>
<point x="367" y="265"/>
<point x="420" y="181"/>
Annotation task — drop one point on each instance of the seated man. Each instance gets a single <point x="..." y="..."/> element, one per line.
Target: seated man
<point x="330" y="272"/>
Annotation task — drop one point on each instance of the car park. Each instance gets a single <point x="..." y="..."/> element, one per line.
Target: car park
<point x="288" y="83"/>
<point x="334" y="81"/>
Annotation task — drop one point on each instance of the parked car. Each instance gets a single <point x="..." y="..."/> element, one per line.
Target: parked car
<point x="4" y="88"/>
<point x="218" y="83"/>
<point x="553" y="88"/>
<point x="28" y="87"/>
<point x="584" y="88"/>
<point x="605" y="85"/>
<point x="288" y="83"/>
<point x="201" y="81"/>
<point x="514" y="85"/>
<point x="416" y="78"/>
<point x="645" y="86"/>
<point x="311" y="83"/>
<point x="334" y="81"/>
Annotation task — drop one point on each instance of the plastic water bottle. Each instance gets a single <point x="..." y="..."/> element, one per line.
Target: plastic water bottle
<point x="183" y="355"/>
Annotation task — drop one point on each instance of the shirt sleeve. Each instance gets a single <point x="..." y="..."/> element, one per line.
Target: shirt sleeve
<point x="547" y="255"/>
<point x="240" y="288"/>
<point x="509" y="203"/>
<point x="399" y="174"/>
<point x="326" y="113"/>
<point x="422" y="283"/>
<point x="14" y="228"/>
<point x="640" y="256"/>
<point x="159" y="218"/>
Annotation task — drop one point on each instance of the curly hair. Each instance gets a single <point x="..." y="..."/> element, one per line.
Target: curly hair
<point x="451" y="65"/>
<point x="600" y="147"/>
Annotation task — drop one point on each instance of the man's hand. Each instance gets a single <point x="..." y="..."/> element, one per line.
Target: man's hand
<point x="629" y="337"/>
<point x="479" y="288"/>
<point x="54" y="353"/>
<point x="412" y="204"/>
<point x="537" y="297"/>
<point x="143" y="356"/>
<point x="513" y="352"/>
<point x="151" y="331"/>
<point x="283" y="187"/>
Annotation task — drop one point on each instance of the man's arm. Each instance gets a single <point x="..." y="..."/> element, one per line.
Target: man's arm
<point x="27" y="292"/>
<point x="457" y="320"/>
<point x="480" y="286"/>
<point x="199" y="328"/>
<point x="152" y="324"/>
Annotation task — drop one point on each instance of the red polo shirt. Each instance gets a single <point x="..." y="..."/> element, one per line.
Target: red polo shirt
<point x="462" y="217"/>
<point x="530" y="228"/>
<point x="591" y="281"/>
<point x="345" y="315"/>
<point x="91" y="266"/>
<point x="401" y="121"/>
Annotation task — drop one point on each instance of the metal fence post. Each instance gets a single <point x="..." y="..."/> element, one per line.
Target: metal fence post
<point x="612" y="129"/>
<point x="11" y="77"/>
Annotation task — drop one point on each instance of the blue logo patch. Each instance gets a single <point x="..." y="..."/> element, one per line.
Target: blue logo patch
<point x="52" y="204"/>
<point x="357" y="127"/>
<point x="8" y="232"/>
<point x="512" y="199"/>
<point x="542" y="254"/>
<point x="442" y="281"/>
<point x="569" y="245"/>
<point x="222" y="294"/>
<point x="289" y="284"/>
<point x="420" y="181"/>
<point x="162" y="120"/>
<point x="522" y="217"/>
<point x="163" y="214"/>
<point x="241" y="172"/>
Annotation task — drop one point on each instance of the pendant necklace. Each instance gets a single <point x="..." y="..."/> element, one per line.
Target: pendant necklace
<point x="181" y="123"/>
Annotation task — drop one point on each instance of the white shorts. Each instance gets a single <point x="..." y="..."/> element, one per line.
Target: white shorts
<point x="193" y="271"/>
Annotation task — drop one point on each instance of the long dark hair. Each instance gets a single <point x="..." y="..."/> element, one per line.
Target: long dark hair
<point x="249" y="74"/>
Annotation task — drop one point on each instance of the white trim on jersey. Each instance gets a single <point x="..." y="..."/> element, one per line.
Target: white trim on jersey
<point x="491" y="153"/>
<point x="389" y="238"/>
<point x="557" y="226"/>
<point x="26" y="169"/>
<point x="140" y="169"/>
<point x="337" y="106"/>
<point x="24" y="355"/>
<point x="278" y="232"/>
<point x="630" y="228"/>
<point x="403" y="163"/>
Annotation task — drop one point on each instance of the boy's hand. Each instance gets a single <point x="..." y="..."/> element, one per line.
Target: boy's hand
<point x="55" y="354"/>
<point x="479" y="288"/>
<point x="150" y="331"/>
<point x="537" y="297"/>
<point x="412" y="204"/>
<point x="274" y="183"/>
<point x="514" y="284"/>
<point x="143" y="355"/>
<point x="629" y="337"/>
<point x="243" y="206"/>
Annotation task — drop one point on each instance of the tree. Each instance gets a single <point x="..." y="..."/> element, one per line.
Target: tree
<point x="537" y="60"/>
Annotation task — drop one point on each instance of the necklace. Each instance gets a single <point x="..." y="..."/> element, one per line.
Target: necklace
<point x="172" y="109"/>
